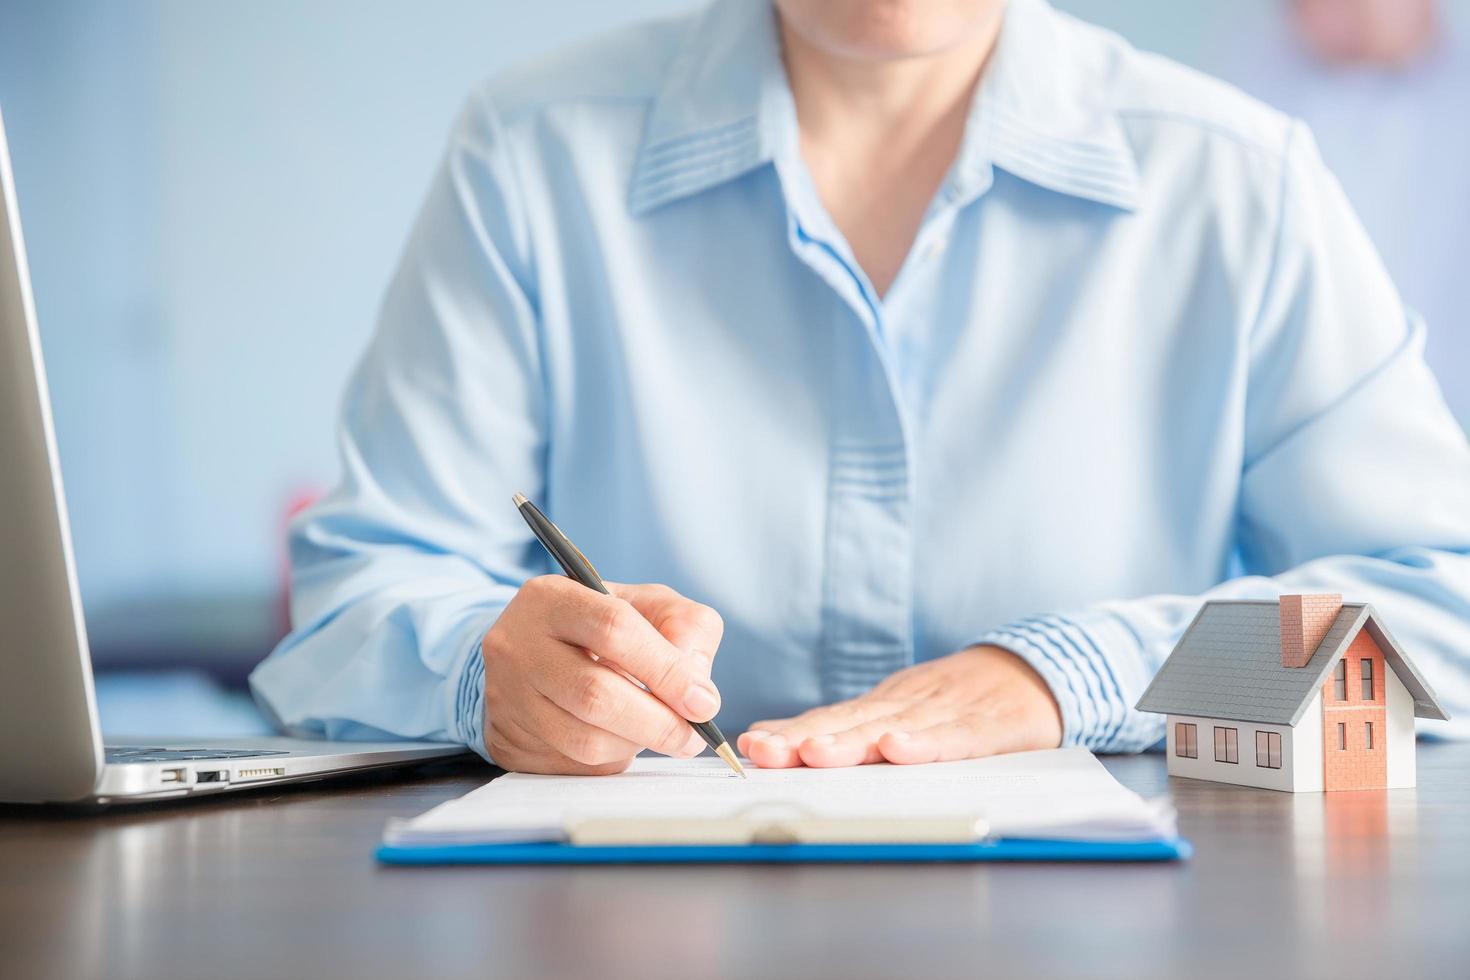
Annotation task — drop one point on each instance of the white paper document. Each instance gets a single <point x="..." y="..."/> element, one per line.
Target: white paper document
<point x="1060" y="794"/>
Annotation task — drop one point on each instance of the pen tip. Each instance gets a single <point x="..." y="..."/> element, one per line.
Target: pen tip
<point x="519" y="499"/>
<point x="731" y="760"/>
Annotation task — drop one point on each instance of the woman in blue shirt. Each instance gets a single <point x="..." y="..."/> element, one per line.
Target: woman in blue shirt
<point x="953" y="352"/>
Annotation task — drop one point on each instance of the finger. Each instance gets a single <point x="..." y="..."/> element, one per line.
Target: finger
<point x="831" y="718"/>
<point x="834" y="751"/>
<point x="775" y="744"/>
<point x="691" y="626"/>
<point x="515" y="749"/>
<point x="768" y="750"/>
<point x="598" y="697"/>
<point x="574" y="738"/>
<point x="765" y="745"/>
<point x="963" y="738"/>
<point x="858" y="746"/>
<point x="773" y="749"/>
<point x="743" y="740"/>
<point x="613" y="630"/>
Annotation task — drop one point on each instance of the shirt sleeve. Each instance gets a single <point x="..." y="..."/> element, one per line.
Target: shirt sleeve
<point x="398" y="573"/>
<point x="1356" y="479"/>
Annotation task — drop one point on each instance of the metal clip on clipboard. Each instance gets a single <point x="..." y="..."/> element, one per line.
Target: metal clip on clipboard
<point x="768" y="824"/>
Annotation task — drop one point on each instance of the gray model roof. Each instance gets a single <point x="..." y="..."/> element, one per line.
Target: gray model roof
<point x="1228" y="665"/>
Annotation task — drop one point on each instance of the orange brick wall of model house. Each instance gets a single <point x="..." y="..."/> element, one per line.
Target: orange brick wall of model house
<point x="1357" y="766"/>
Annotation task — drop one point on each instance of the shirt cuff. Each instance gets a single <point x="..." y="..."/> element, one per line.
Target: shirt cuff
<point x="469" y="711"/>
<point x="1093" y="664"/>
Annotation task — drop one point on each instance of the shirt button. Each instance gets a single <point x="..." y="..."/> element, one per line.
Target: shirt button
<point x="934" y="248"/>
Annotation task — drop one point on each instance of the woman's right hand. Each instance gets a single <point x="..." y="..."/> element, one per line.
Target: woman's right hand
<point x="551" y="708"/>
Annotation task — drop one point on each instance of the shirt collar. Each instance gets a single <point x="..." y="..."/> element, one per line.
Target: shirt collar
<point x="723" y="110"/>
<point x="1040" y="113"/>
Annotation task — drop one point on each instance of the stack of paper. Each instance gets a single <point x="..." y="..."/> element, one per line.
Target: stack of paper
<point x="1062" y="794"/>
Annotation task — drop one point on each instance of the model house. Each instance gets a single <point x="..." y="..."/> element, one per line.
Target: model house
<point x="1308" y="693"/>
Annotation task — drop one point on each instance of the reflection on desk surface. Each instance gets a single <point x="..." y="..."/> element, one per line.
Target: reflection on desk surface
<point x="1371" y="884"/>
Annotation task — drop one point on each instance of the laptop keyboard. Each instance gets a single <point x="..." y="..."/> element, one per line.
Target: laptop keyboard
<point x="143" y="754"/>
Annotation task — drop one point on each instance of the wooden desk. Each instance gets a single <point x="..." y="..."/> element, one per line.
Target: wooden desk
<point x="284" y="885"/>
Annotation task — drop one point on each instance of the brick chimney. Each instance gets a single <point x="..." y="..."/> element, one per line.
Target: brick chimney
<point x="1305" y="619"/>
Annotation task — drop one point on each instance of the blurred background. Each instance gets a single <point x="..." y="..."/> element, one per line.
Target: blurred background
<point x="214" y="195"/>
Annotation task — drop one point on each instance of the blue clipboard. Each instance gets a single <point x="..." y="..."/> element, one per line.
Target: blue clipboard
<point x="557" y="852"/>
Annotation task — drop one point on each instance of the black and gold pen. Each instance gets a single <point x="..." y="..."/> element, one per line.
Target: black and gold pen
<point x="577" y="567"/>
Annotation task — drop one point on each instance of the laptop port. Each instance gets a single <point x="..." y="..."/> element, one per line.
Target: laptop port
<point x="265" y="772"/>
<point x="216" y="776"/>
<point x="174" y="775"/>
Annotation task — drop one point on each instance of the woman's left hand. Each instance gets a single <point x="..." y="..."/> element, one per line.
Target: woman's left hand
<point x="980" y="701"/>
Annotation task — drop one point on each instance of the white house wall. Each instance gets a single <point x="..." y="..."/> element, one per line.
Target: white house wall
<point x="1245" y="772"/>
<point x="1400" y="724"/>
<point x="1306" y="756"/>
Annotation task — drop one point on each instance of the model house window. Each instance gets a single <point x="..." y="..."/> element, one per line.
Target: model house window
<point x="1367" y="679"/>
<point x="1186" y="740"/>
<point x="1227" y="748"/>
<point x="1341" y="736"/>
<point x="1367" y="731"/>
<point x="1268" y="750"/>
<point x="1339" y="680"/>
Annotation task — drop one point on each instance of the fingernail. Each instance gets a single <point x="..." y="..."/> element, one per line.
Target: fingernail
<point x="701" y="702"/>
<point x="899" y="736"/>
<point x="774" y="741"/>
<point x="758" y="733"/>
<point x="824" y="739"/>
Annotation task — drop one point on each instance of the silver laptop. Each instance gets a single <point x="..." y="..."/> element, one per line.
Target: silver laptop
<point x="51" y="749"/>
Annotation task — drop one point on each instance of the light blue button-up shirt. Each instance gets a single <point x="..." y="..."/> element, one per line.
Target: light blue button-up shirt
<point x="1140" y="353"/>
